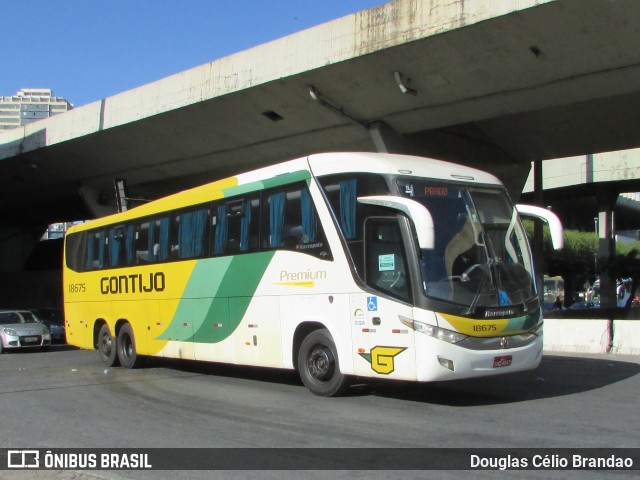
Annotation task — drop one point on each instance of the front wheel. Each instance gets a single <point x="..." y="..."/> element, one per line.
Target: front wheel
<point x="318" y="365"/>
<point x="126" y="347"/>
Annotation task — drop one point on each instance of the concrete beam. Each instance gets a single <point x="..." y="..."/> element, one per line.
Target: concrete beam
<point x="607" y="247"/>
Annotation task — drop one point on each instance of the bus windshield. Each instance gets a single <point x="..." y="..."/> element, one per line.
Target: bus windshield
<point x="481" y="257"/>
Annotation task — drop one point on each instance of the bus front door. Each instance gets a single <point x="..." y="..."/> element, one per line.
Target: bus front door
<point x="384" y="344"/>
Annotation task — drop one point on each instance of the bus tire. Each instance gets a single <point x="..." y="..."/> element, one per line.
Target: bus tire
<point x="107" y="347"/>
<point x="126" y="347"/>
<point x="318" y="365"/>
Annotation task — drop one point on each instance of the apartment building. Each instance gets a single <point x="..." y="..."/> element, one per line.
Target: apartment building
<point x="30" y="105"/>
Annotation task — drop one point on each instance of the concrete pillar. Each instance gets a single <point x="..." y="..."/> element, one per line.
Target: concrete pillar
<point x="15" y="247"/>
<point x="98" y="203"/>
<point x="538" y="231"/>
<point x="607" y="246"/>
<point x="387" y="140"/>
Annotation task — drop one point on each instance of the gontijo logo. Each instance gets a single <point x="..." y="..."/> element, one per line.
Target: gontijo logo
<point x="382" y="358"/>
<point x="133" y="283"/>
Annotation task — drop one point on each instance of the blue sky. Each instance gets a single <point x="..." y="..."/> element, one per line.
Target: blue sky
<point x="86" y="50"/>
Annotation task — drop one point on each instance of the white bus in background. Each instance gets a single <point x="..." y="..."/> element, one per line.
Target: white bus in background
<point x="339" y="265"/>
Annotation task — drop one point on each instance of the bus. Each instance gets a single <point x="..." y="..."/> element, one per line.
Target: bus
<point x="341" y="266"/>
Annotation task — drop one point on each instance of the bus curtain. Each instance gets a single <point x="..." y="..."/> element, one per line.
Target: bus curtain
<point x="276" y="218"/>
<point x="102" y="237"/>
<point x="191" y="233"/>
<point x="129" y="240"/>
<point x="114" y="249"/>
<point x="245" y="223"/>
<point x="222" y="231"/>
<point x="309" y="220"/>
<point x="163" y="254"/>
<point x="348" y="208"/>
<point x="151" y="242"/>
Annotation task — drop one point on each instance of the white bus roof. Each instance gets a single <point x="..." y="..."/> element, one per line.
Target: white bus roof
<point x="393" y="164"/>
<point x="382" y="163"/>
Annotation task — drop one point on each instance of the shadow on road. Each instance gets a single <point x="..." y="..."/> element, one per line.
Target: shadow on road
<point x="260" y="374"/>
<point x="556" y="376"/>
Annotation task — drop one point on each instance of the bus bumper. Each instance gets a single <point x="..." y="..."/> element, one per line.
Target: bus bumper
<point x="438" y="360"/>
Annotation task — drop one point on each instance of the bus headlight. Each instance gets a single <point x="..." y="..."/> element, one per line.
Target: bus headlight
<point x="443" y="334"/>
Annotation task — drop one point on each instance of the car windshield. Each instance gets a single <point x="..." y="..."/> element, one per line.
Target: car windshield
<point x="481" y="257"/>
<point x="11" y="318"/>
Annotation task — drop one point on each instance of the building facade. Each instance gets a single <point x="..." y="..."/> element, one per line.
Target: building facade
<point x="30" y="105"/>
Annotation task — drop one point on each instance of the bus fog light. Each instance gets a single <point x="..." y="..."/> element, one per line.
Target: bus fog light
<point x="446" y="363"/>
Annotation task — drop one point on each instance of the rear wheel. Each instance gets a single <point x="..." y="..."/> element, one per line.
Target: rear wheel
<point x="107" y="347"/>
<point x="318" y="365"/>
<point x="126" y="347"/>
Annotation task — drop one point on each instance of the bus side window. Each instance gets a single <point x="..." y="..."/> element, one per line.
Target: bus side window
<point x="385" y="257"/>
<point x="143" y="251"/>
<point x="236" y="226"/>
<point x="189" y="230"/>
<point x="291" y="222"/>
<point x="162" y="248"/>
<point x="130" y="235"/>
<point x="114" y="246"/>
<point x="75" y="251"/>
<point x="96" y="249"/>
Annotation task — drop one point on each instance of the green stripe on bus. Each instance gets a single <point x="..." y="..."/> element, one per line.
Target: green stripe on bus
<point x="277" y="181"/>
<point x="217" y="297"/>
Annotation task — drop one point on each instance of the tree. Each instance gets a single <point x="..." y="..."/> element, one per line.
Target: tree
<point x="579" y="261"/>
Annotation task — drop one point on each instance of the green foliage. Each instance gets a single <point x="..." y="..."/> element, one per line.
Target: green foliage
<point x="580" y="255"/>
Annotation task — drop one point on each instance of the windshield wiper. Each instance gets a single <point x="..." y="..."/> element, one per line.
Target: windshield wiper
<point x="476" y="298"/>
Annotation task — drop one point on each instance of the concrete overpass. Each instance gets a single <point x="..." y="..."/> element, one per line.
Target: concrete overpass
<point x="489" y="83"/>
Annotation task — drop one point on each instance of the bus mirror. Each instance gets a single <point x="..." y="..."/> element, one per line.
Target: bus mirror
<point x="421" y="217"/>
<point x="555" y="226"/>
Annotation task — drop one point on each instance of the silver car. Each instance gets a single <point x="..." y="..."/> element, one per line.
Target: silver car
<point x="22" y="329"/>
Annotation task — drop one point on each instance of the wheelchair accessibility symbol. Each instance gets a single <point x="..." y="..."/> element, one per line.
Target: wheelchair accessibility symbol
<point x="372" y="304"/>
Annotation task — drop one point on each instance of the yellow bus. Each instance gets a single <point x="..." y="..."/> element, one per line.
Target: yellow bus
<point x="339" y="265"/>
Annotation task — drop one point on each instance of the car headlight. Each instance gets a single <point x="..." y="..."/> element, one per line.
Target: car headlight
<point x="46" y="336"/>
<point x="10" y="331"/>
<point x="443" y="334"/>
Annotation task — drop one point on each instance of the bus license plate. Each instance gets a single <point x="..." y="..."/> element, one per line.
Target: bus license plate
<point x="504" y="361"/>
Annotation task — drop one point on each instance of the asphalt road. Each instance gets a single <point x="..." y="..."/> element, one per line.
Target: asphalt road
<point x="66" y="398"/>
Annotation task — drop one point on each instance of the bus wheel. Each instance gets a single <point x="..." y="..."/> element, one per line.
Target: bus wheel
<point x="107" y="347"/>
<point x="318" y="365"/>
<point x="126" y="347"/>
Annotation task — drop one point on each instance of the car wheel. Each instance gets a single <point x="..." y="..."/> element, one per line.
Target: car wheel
<point x="126" y="347"/>
<point x="107" y="347"/>
<point x="318" y="365"/>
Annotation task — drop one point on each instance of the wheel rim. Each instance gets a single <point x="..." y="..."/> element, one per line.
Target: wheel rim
<point x="321" y="363"/>
<point x="106" y="345"/>
<point x="127" y="346"/>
